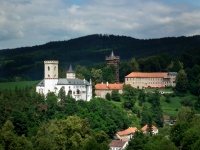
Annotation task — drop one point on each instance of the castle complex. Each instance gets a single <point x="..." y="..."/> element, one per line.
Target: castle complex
<point x="114" y="60"/>
<point x="77" y="88"/>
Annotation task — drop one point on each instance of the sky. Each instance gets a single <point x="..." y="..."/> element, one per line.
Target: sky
<point x="35" y="22"/>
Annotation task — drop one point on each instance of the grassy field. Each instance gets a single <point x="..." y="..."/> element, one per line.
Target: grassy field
<point x="21" y="84"/>
<point x="172" y="107"/>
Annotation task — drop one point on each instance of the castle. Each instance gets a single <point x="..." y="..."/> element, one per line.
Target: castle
<point x="77" y="88"/>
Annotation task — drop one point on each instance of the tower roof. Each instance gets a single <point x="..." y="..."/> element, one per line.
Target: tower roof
<point x="70" y="68"/>
<point x="112" y="54"/>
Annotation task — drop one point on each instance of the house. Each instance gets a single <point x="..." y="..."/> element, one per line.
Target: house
<point x="142" y="80"/>
<point x="102" y="89"/>
<point x="77" y="88"/>
<point x="154" y="129"/>
<point x="118" y="145"/>
<point x="127" y="134"/>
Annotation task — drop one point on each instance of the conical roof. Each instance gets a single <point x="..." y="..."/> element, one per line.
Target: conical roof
<point x="112" y="54"/>
<point x="70" y="68"/>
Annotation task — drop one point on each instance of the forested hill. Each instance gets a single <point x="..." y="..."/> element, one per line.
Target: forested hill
<point x="90" y="49"/>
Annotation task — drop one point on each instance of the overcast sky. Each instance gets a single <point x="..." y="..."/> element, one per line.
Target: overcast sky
<point x="35" y="22"/>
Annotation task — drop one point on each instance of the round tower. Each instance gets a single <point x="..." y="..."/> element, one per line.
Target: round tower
<point x="51" y="69"/>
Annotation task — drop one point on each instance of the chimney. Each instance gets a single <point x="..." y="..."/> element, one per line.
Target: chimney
<point x="107" y="83"/>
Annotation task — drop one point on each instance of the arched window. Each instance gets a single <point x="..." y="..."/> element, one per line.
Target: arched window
<point x="78" y="91"/>
<point x="54" y="68"/>
<point x="48" y="68"/>
<point x="48" y="75"/>
<point x="70" y="92"/>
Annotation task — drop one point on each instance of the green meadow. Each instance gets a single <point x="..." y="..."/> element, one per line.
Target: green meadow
<point x="20" y="84"/>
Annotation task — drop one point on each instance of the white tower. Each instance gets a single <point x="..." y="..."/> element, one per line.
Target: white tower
<point x="70" y="73"/>
<point x="50" y="75"/>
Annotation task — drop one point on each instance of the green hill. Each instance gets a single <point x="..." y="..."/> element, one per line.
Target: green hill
<point x="27" y="62"/>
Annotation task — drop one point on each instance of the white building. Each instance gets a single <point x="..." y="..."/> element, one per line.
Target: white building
<point x="79" y="89"/>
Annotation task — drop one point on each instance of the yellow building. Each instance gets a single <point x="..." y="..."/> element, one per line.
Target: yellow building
<point x="151" y="79"/>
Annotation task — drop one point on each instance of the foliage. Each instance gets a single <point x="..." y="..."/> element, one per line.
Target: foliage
<point x="138" y="141"/>
<point x="129" y="95"/>
<point x="181" y="82"/>
<point x="115" y="95"/>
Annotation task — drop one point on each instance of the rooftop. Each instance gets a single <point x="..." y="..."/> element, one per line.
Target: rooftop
<point x="147" y="74"/>
<point x="146" y="127"/>
<point x="109" y="86"/>
<point x="117" y="143"/>
<point x="130" y="130"/>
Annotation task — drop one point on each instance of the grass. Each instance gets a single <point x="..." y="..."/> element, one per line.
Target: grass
<point x="172" y="107"/>
<point x="21" y="84"/>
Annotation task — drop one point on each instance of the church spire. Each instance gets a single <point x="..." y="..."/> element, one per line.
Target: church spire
<point x="112" y="54"/>
<point x="70" y="73"/>
<point x="70" y="68"/>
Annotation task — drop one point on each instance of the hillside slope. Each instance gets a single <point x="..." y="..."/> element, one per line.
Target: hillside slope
<point x="28" y="61"/>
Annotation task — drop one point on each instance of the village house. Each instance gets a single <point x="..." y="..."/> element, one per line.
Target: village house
<point x="154" y="129"/>
<point x="77" y="88"/>
<point x="127" y="134"/>
<point x="118" y="145"/>
<point x="102" y="89"/>
<point x="142" y="80"/>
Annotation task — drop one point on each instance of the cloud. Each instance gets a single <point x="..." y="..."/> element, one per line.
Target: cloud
<point x="34" y="22"/>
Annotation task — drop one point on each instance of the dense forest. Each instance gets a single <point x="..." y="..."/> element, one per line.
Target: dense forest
<point x="26" y="63"/>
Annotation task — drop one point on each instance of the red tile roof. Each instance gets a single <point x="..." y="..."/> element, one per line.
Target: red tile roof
<point x="127" y="131"/>
<point x="147" y="75"/>
<point x="109" y="87"/>
<point x="146" y="127"/>
<point x="117" y="143"/>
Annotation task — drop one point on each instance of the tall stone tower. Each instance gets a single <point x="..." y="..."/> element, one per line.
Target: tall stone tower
<point x="50" y="75"/>
<point x="114" y="60"/>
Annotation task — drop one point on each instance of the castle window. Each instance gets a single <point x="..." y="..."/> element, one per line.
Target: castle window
<point x="78" y="91"/>
<point x="48" y="68"/>
<point x="70" y="92"/>
<point x="48" y="75"/>
<point x="54" y="68"/>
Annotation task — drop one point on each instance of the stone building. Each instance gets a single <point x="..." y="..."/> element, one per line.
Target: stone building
<point x="79" y="89"/>
<point x="151" y="79"/>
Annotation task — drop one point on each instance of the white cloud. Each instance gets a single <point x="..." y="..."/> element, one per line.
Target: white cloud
<point x="34" y="22"/>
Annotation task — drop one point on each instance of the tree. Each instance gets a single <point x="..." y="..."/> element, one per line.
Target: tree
<point x="181" y="82"/>
<point x="134" y="65"/>
<point x="159" y="142"/>
<point x="138" y="141"/>
<point x="141" y="97"/>
<point x="129" y="94"/>
<point x="115" y="95"/>
<point x="149" y="126"/>
<point x="70" y="133"/>
<point x="62" y="96"/>
<point x="108" y="97"/>
<point x="9" y="140"/>
<point x="97" y="76"/>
